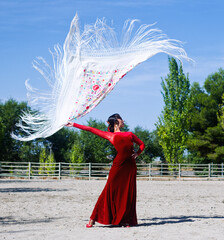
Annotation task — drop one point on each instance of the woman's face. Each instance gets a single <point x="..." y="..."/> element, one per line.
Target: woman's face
<point x="121" y="123"/>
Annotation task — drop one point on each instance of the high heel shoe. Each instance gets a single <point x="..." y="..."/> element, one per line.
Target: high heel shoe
<point x="89" y="225"/>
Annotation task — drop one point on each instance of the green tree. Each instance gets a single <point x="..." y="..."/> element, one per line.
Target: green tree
<point x="221" y="117"/>
<point x="47" y="162"/>
<point x="152" y="147"/>
<point x="206" y="133"/>
<point x="43" y="157"/>
<point x="10" y="149"/>
<point x="2" y="130"/>
<point x="172" y="126"/>
<point x="95" y="149"/>
<point x="77" y="154"/>
<point x="50" y="163"/>
<point x="61" y="143"/>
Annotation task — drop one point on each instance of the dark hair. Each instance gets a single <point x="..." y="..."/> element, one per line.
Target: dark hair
<point x="112" y="120"/>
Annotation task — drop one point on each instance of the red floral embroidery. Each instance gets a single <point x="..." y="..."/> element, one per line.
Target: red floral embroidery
<point x="95" y="87"/>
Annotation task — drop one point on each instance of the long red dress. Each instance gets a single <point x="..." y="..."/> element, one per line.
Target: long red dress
<point x="116" y="204"/>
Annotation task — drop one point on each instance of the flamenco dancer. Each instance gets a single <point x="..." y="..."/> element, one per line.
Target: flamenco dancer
<point x="116" y="204"/>
<point x="85" y="70"/>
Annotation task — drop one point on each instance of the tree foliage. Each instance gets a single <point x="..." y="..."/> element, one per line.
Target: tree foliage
<point x="67" y="145"/>
<point x="95" y="148"/>
<point x="172" y="126"/>
<point x="10" y="149"/>
<point x="61" y="143"/>
<point x="152" y="149"/>
<point x="207" y="135"/>
<point x="192" y="118"/>
<point x="221" y="117"/>
<point x="76" y="154"/>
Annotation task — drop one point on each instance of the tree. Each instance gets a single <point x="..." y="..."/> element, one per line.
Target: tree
<point x="206" y="133"/>
<point x="50" y="163"/>
<point x="47" y="162"/>
<point x="152" y="147"/>
<point x="10" y="149"/>
<point x="76" y="154"/>
<point x="43" y="157"/>
<point x="95" y="148"/>
<point x="61" y="143"/>
<point x="172" y="126"/>
<point x="221" y="117"/>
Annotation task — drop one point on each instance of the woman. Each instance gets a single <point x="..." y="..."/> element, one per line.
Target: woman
<point x="117" y="203"/>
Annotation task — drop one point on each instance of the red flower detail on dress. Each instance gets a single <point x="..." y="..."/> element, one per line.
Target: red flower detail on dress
<point x="87" y="107"/>
<point x="95" y="87"/>
<point x="123" y="75"/>
<point x="109" y="84"/>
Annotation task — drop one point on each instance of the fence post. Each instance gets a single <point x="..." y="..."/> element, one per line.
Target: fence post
<point x="59" y="170"/>
<point x="161" y="170"/>
<point x="222" y="169"/>
<point x="179" y="172"/>
<point x="209" y="170"/>
<point x="90" y="166"/>
<point x="29" y="170"/>
<point x="150" y="169"/>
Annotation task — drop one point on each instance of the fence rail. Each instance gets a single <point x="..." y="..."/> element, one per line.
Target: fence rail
<point x="89" y="171"/>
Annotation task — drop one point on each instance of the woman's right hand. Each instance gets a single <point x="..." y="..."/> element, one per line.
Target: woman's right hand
<point x="69" y="124"/>
<point x="134" y="155"/>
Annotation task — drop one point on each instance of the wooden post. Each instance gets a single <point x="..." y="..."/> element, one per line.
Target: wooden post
<point x="222" y="169"/>
<point x="90" y="166"/>
<point x="150" y="169"/>
<point x="29" y="170"/>
<point x="209" y="170"/>
<point x="59" y="170"/>
<point x="179" y="172"/>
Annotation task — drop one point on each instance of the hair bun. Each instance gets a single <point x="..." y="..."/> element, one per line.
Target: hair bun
<point x="112" y="120"/>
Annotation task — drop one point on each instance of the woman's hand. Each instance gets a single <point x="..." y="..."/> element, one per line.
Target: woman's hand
<point x="69" y="124"/>
<point x="134" y="155"/>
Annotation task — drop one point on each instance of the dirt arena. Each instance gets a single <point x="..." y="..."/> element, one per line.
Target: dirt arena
<point x="53" y="209"/>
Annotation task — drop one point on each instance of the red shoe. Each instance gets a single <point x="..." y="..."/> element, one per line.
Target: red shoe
<point x="89" y="225"/>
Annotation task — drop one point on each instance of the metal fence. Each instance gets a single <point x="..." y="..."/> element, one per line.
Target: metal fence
<point x="150" y="171"/>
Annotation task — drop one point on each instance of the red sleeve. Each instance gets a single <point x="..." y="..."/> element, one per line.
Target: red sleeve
<point x="95" y="131"/>
<point x="139" y="142"/>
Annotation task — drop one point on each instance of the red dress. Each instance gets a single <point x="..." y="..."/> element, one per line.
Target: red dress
<point x="116" y="204"/>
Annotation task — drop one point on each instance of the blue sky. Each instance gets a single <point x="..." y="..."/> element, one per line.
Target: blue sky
<point x="28" y="28"/>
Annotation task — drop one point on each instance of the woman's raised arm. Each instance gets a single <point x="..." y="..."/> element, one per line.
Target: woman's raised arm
<point x="102" y="134"/>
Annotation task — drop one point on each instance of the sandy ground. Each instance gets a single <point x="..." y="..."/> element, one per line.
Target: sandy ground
<point x="52" y="209"/>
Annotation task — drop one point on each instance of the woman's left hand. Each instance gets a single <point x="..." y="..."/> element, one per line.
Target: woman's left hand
<point x="134" y="155"/>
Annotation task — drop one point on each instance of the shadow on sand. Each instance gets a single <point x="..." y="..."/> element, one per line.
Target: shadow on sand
<point x="22" y="190"/>
<point x="167" y="220"/>
<point x="174" y="220"/>
<point x="13" y="221"/>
